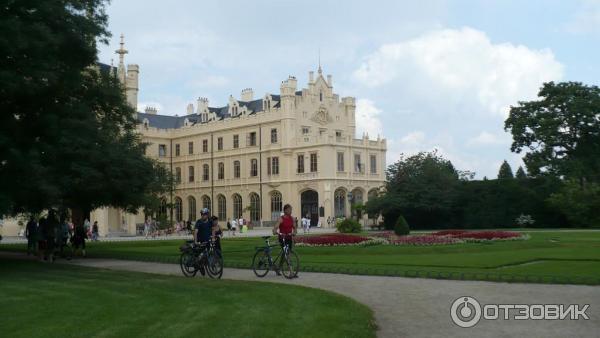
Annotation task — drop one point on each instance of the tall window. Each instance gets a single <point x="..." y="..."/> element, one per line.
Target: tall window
<point x="206" y="203"/>
<point x="222" y="204"/>
<point x="190" y="174"/>
<point x="177" y="150"/>
<point x="221" y="170"/>
<point x="162" y="150"/>
<point x="274" y="167"/>
<point x="220" y="143"/>
<point x="251" y="139"/>
<point x="300" y="164"/>
<point x="236" y="169"/>
<point x="254" y="207"/>
<point x="305" y="130"/>
<point x="373" y="164"/>
<point x="191" y="209"/>
<point x="274" y="135"/>
<point x="357" y="164"/>
<point x="205" y="146"/>
<point x="276" y="205"/>
<point x="340" y="161"/>
<point x="313" y="163"/>
<point x="178" y="209"/>
<point x="162" y="209"/>
<point x="340" y="203"/>
<point x="237" y="206"/>
<point x="205" y="172"/>
<point x="190" y="148"/>
<point x="177" y="175"/>
<point x="253" y="167"/>
<point x="236" y="141"/>
<point x="320" y="96"/>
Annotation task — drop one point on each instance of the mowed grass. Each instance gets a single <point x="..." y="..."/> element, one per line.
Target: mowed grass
<point x="547" y="257"/>
<point x="54" y="300"/>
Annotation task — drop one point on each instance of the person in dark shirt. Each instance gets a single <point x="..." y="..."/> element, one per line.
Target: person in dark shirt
<point x="217" y="233"/>
<point x="79" y="239"/>
<point x="203" y="228"/>
<point x="31" y="234"/>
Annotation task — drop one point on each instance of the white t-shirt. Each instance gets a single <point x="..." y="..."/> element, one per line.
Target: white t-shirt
<point x="233" y="224"/>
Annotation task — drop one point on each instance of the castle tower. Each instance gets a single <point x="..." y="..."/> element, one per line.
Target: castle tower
<point x="129" y="76"/>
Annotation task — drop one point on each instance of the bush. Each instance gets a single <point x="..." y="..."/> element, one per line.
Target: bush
<point x="401" y="228"/>
<point x="348" y="226"/>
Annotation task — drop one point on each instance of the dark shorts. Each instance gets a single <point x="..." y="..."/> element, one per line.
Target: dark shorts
<point x="79" y="242"/>
<point x="286" y="239"/>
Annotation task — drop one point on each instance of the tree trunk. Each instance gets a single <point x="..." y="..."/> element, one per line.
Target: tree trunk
<point x="77" y="216"/>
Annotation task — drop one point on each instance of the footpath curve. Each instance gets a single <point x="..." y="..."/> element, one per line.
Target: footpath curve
<point x="415" y="307"/>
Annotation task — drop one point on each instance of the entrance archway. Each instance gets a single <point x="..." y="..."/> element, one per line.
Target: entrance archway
<point x="309" y="205"/>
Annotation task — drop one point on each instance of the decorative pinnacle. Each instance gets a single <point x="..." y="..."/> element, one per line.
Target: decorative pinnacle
<point x="122" y="51"/>
<point x="320" y="70"/>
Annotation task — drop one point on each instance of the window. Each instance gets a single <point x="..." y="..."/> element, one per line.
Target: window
<point x="237" y="206"/>
<point x="275" y="165"/>
<point x="206" y="203"/>
<point x="222" y="204"/>
<point x="177" y="175"/>
<point x="177" y="150"/>
<point x="274" y="135"/>
<point x="251" y="139"/>
<point x="221" y="171"/>
<point x="320" y="96"/>
<point x="205" y="172"/>
<point x="190" y="148"/>
<point x="373" y="164"/>
<point x="236" y="169"/>
<point x="220" y="143"/>
<point x="190" y="174"/>
<point x="276" y="205"/>
<point x="253" y="167"/>
<point x="162" y="150"/>
<point x="338" y="136"/>
<point x="178" y="209"/>
<point x="268" y="166"/>
<point x="305" y="130"/>
<point x="357" y="164"/>
<point x="162" y="209"/>
<point x="236" y="141"/>
<point x="340" y="203"/>
<point x="340" y="161"/>
<point x="205" y="146"/>
<point x="191" y="209"/>
<point x="254" y="207"/>
<point x="313" y="162"/>
<point x="300" y="164"/>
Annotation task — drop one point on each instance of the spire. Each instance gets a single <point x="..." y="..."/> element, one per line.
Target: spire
<point x="320" y="71"/>
<point x="121" y="51"/>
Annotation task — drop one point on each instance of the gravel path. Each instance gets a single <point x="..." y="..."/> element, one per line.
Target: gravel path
<point x="413" y="307"/>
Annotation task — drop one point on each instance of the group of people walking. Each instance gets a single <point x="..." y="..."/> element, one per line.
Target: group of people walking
<point x="51" y="233"/>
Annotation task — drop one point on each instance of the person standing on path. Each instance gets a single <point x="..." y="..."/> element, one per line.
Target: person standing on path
<point x="79" y="237"/>
<point x="31" y="235"/>
<point x="203" y="232"/>
<point x="95" y="231"/>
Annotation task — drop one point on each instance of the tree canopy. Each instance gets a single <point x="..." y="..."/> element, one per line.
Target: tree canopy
<point x="505" y="171"/>
<point x="67" y="135"/>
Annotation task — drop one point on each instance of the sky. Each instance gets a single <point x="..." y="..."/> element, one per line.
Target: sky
<point x="427" y="75"/>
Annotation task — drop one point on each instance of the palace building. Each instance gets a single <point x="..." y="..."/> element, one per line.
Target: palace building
<point x="248" y="158"/>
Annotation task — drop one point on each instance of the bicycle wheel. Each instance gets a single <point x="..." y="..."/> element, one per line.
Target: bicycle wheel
<point x="186" y="262"/>
<point x="260" y="263"/>
<point x="290" y="265"/>
<point x="214" y="265"/>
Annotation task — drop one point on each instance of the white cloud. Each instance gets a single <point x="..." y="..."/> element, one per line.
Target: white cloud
<point x="367" y="118"/>
<point x="486" y="139"/>
<point x="462" y="68"/>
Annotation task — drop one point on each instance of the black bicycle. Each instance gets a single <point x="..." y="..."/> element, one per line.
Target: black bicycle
<point x="286" y="261"/>
<point x="204" y="257"/>
<point x="63" y="249"/>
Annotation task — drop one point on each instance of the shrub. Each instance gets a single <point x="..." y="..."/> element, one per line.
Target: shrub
<point x="401" y="228"/>
<point x="348" y="226"/>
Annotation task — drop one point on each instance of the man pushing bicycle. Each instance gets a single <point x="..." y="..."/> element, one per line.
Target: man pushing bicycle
<point x="286" y="227"/>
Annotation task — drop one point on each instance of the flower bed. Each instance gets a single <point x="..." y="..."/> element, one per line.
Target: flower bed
<point x="424" y="240"/>
<point x="448" y="232"/>
<point x="332" y="239"/>
<point x="474" y="236"/>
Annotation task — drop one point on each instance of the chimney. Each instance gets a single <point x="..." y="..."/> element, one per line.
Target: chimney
<point x="247" y="95"/>
<point x="190" y="109"/>
<point x="150" y="110"/>
<point x="202" y="104"/>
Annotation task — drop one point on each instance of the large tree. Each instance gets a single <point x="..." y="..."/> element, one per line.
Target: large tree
<point x="67" y="136"/>
<point x="505" y="171"/>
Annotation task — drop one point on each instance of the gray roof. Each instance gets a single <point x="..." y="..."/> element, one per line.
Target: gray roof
<point x="174" y="122"/>
<point x="105" y="68"/>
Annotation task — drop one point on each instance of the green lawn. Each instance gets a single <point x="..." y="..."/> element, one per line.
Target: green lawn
<point x="547" y="257"/>
<point x="53" y="300"/>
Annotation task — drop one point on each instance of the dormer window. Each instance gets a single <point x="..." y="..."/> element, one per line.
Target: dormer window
<point x="321" y="96"/>
<point x="204" y="116"/>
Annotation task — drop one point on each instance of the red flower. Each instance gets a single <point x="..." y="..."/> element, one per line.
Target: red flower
<point x="331" y="239"/>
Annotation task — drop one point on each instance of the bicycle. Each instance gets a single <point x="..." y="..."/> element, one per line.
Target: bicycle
<point x="63" y="250"/>
<point x="286" y="261"/>
<point x="204" y="257"/>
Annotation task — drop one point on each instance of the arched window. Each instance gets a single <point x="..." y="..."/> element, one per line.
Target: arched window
<point x="237" y="206"/>
<point x="276" y="205"/>
<point x="191" y="209"/>
<point x="178" y="209"/>
<point x="340" y="203"/>
<point x="357" y="196"/>
<point x="206" y="203"/>
<point x="162" y="208"/>
<point x="254" y="207"/>
<point x="222" y="203"/>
